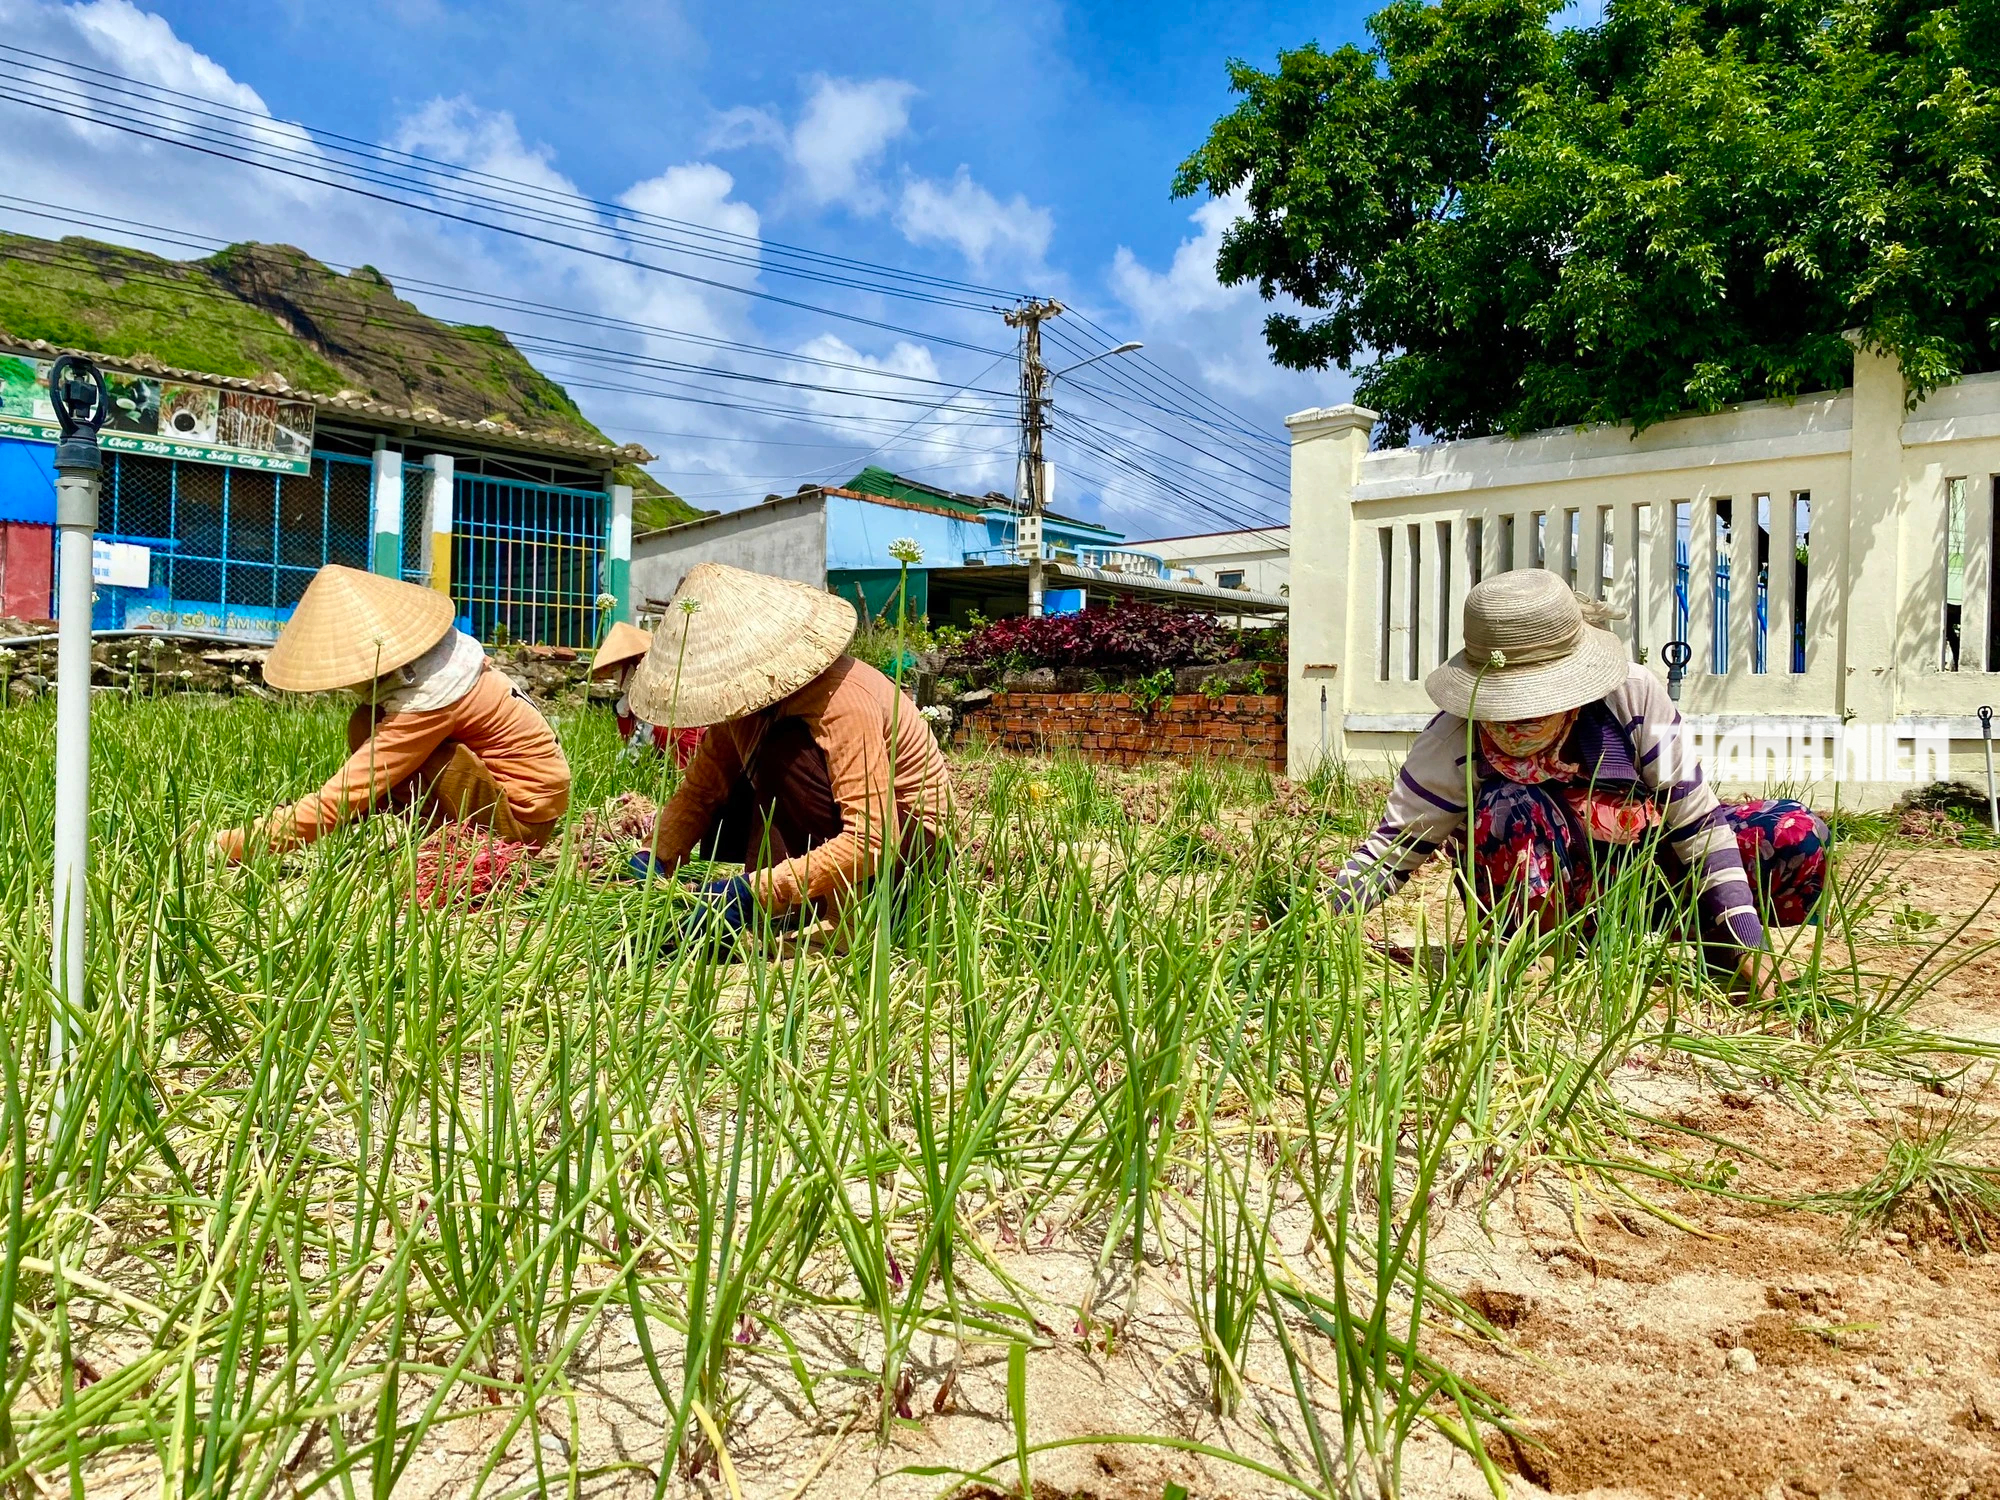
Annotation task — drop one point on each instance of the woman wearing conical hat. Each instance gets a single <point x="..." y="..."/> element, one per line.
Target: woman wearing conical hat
<point x="814" y="764"/>
<point x="624" y="647"/>
<point x="437" y="727"/>
<point x="1580" y="765"/>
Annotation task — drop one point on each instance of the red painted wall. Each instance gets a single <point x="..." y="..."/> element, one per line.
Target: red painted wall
<point x="27" y="567"/>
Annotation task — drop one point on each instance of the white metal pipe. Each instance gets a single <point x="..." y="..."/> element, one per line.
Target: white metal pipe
<point x="76" y="521"/>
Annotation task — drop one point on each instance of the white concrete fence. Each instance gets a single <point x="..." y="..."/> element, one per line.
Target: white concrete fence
<point x="1872" y="648"/>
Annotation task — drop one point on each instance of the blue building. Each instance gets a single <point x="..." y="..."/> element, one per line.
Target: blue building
<point x="222" y="497"/>
<point x="837" y="537"/>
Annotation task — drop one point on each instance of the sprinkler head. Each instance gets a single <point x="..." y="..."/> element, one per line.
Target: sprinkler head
<point x="82" y="403"/>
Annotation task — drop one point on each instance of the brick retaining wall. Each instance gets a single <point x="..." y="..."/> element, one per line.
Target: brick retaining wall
<point x="1106" y="727"/>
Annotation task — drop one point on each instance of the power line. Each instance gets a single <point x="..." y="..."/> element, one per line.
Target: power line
<point x="371" y="153"/>
<point x="1183" y="491"/>
<point x="1131" y="393"/>
<point x="680" y="392"/>
<point x="529" y="341"/>
<point x="1208" y="453"/>
<point x="64" y="214"/>
<point x="130" y="127"/>
<point x="1162" y="376"/>
<point x="1216" y="483"/>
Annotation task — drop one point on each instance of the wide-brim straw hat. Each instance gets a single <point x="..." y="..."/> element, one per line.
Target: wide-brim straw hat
<point x="350" y="627"/>
<point x="734" y="642"/>
<point x="622" y="643"/>
<point x="1529" y="651"/>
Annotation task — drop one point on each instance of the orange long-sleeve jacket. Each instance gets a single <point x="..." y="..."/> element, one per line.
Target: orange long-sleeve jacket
<point x="503" y="730"/>
<point x="854" y="714"/>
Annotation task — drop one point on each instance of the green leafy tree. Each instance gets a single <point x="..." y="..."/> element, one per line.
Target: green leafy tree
<point x="1502" y="227"/>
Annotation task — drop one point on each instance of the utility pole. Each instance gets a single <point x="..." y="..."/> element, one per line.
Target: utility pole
<point x="1032" y="499"/>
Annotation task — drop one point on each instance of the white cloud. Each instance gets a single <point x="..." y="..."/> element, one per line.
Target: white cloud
<point x="1219" y="329"/>
<point x="835" y="151"/>
<point x="93" y="170"/>
<point x="40" y="145"/>
<point x="457" y="131"/>
<point x="745" y="125"/>
<point x="696" y="193"/>
<point x="723" y="441"/>
<point x="842" y="132"/>
<point x="1211" y="337"/>
<point x="1189" y="284"/>
<point x="146" y="48"/>
<point x="978" y="225"/>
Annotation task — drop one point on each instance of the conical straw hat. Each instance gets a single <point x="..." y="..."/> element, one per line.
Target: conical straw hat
<point x="351" y="627"/>
<point x="733" y="642"/>
<point x="622" y="643"/>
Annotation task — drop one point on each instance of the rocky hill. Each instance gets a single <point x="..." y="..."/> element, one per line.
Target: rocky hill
<point x="253" y="310"/>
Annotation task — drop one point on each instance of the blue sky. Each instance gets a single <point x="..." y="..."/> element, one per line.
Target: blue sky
<point x="1023" y="146"/>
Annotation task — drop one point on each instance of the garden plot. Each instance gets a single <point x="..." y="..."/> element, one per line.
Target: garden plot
<point x="1120" y="1163"/>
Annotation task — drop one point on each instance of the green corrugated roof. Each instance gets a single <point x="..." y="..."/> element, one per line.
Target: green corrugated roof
<point x="887" y="486"/>
<point x="876" y="481"/>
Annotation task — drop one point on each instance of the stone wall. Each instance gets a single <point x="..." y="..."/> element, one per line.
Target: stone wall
<point x="1109" y="727"/>
<point x="166" y="663"/>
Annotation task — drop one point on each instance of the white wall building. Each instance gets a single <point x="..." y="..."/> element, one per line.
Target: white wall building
<point x="1259" y="561"/>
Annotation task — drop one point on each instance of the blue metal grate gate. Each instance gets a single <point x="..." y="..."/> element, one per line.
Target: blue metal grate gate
<point x="416" y="524"/>
<point x="527" y="560"/>
<point x="231" y="549"/>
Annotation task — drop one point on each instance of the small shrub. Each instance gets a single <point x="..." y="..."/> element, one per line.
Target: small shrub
<point x="1131" y="638"/>
<point x="1150" y="691"/>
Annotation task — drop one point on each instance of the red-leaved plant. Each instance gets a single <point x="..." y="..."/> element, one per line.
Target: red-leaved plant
<point x="1123" y="638"/>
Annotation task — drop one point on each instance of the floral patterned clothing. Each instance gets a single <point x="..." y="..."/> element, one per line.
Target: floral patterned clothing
<point x="1530" y="853"/>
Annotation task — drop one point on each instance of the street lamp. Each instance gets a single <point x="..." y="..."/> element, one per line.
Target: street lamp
<point x="1130" y="348"/>
<point x="82" y="402"/>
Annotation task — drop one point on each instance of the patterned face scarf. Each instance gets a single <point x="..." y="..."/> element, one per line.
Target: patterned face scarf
<point x="1529" y="750"/>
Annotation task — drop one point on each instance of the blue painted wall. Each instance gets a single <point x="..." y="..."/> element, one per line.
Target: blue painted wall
<point x="858" y="535"/>
<point x="27" y="482"/>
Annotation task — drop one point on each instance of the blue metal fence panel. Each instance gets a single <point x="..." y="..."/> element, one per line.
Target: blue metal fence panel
<point x="527" y="560"/>
<point x="232" y="549"/>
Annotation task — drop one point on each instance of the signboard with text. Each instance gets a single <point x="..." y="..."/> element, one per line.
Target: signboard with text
<point x="168" y="419"/>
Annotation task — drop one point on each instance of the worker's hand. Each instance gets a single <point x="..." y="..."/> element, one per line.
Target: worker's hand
<point x="730" y="900"/>
<point x="1761" y="974"/>
<point x="643" y="866"/>
<point x="721" y="910"/>
<point x="230" y="845"/>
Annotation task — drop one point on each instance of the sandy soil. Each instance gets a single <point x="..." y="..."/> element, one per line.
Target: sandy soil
<point x="1872" y="1368"/>
<point x="1766" y="1355"/>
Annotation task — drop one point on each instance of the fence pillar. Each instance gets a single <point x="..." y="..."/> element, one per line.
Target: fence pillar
<point x="387" y="493"/>
<point x="1869" y="569"/>
<point x="440" y="480"/>
<point x="1328" y="444"/>
<point x="618" y="553"/>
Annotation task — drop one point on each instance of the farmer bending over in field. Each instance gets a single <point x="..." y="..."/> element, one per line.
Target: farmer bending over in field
<point x="437" y="728"/>
<point x="1579" y="761"/>
<point x="814" y="764"/>
<point x="623" y="649"/>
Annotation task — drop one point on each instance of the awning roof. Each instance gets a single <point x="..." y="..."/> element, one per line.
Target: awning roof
<point x="1161" y="590"/>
